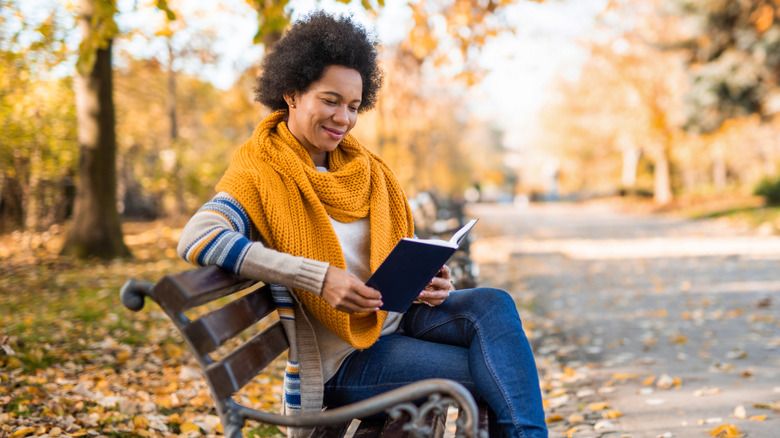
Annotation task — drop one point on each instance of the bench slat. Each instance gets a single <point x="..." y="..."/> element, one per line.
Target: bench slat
<point x="330" y="431"/>
<point x="395" y="428"/>
<point x="214" y="329"/>
<point x="238" y="368"/>
<point x="185" y="290"/>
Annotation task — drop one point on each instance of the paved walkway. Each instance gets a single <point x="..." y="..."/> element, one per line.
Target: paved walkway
<point x="643" y="326"/>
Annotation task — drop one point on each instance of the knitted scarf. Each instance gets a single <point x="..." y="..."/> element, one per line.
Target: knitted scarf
<point x="290" y="203"/>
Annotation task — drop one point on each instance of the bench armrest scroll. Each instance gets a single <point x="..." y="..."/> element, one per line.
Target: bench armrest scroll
<point x="133" y="293"/>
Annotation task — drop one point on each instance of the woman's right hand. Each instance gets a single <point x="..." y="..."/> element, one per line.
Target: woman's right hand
<point x="345" y="292"/>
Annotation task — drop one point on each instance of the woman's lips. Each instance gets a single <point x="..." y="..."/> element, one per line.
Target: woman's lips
<point x="334" y="133"/>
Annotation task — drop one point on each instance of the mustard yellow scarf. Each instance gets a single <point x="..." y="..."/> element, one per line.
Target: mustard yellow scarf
<point x="290" y="202"/>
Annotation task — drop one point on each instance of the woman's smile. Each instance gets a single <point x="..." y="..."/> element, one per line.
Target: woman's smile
<point x="320" y="117"/>
<point x="337" y="134"/>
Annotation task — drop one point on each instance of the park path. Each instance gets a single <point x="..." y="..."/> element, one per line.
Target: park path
<point x="642" y="325"/>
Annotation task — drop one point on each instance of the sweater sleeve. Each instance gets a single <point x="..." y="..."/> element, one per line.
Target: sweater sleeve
<point x="219" y="234"/>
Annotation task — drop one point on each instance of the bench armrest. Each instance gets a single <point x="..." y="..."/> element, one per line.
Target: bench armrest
<point x="395" y="403"/>
<point x="133" y="293"/>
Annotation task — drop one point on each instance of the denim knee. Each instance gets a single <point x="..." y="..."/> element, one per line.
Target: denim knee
<point x="488" y="301"/>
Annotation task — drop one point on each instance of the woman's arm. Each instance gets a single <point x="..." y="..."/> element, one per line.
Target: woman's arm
<point x="219" y="234"/>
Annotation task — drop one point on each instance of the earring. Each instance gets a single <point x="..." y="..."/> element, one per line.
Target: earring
<point x="292" y="105"/>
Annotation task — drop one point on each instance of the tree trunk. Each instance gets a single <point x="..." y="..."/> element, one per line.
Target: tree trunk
<point x="172" y="96"/>
<point x="662" y="193"/>
<point x="32" y="195"/>
<point x="631" y="156"/>
<point x="95" y="229"/>
<point x="718" y="169"/>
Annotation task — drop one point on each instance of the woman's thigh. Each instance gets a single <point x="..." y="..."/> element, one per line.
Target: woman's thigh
<point x="393" y="361"/>
<point x="456" y="321"/>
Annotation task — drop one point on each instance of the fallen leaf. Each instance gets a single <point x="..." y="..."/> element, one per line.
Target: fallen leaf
<point x="556" y="393"/>
<point x="775" y="406"/>
<point x="623" y="376"/>
<point x="140" y="422"/>
<point x="758" y="418"/>
<point x="603" y="424"/>
<point x="189" y="427"/>
<point x="554" y="418"/>
<point x="585" y="392"/>
<point x="726" y="431"/>
<point x="667" y="382"/>
<point x="22" y="432"/>
<point x="737" y="354"/>
<point x="598" y="406"/>
<point x="706" y="391"/>
<point x="612" y="414"/>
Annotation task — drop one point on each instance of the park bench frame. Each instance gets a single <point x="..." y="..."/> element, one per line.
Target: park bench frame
<point x="191" y="289"/>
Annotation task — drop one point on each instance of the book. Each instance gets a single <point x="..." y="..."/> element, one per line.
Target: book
<point x="410" y="266"/>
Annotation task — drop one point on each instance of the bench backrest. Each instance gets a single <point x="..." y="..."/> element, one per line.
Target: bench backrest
<point x="185" y="291"/>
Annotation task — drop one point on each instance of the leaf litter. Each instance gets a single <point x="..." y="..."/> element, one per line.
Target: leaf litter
<point x="74" y="362"/>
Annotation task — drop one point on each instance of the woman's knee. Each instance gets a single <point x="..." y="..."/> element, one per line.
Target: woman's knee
<point x="487" y="301"/>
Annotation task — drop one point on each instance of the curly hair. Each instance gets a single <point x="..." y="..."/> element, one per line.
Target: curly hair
<point x="307" y="48"/>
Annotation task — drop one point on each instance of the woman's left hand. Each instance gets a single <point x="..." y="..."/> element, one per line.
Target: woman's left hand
<point x="439" y="288"/>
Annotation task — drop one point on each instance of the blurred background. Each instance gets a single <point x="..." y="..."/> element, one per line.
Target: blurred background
<point x="671" y="101"/>
<point x="550" y="120"/>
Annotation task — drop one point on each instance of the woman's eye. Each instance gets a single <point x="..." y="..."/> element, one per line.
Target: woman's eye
<point x="353" y="109"/>
<point x="329" y="102"/>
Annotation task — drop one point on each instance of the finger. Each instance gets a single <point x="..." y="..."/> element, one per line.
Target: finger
<point x="439" y="283"/>
<point x="434" y="294"/>
<point x="360" y="304"/>
<point x="367" y="291"/>
<point x="354" y="308"/>
<point x="433" y="298"/>
<point x="445" y="272"/>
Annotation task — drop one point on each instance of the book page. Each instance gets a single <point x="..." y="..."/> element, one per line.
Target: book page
<point x="458" y="236"/>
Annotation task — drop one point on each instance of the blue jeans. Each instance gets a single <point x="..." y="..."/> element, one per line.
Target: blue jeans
<point x="476" y="338"/>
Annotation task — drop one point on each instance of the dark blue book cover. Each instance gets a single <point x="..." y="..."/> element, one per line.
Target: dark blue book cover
<point x="410" y="267"/>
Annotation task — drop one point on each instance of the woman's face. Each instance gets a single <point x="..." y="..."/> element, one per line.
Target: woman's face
<point x="321" y="116"/>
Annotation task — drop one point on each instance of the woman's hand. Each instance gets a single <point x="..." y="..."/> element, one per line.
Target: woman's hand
<point x="439" y="288"/>
<point x="345" y="292"/>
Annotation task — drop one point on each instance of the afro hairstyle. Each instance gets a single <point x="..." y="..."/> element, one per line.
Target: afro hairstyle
<point x="307" y="48"/>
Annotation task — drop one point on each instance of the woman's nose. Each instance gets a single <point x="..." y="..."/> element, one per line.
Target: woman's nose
<point x="341" y="115"/>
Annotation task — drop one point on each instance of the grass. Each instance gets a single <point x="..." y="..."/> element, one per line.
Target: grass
<point x="755" y="216"/>
<point x="67" y="345"/>
<point x="751" y="212"/>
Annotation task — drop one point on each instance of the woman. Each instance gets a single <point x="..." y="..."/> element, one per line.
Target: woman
<point x="304" y="205"/>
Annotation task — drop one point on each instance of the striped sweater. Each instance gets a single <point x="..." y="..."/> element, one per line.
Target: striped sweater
<point x="221" y="234"/>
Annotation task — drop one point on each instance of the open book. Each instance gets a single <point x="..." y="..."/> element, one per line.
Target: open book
<point x="411" y="265"/>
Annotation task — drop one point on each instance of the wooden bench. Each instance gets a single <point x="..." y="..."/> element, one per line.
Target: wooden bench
<point x="199" y="288"/>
